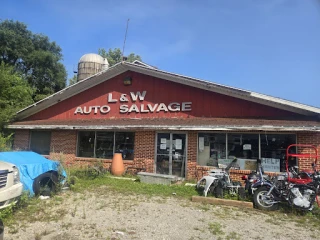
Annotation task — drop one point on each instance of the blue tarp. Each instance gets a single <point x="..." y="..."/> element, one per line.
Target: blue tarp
<point x="30" y="165"/>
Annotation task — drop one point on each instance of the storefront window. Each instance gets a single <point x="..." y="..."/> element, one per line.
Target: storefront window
<point x="104" y="144"/>
<point x="245" y="147"/>
<point x="86" y="144"/>
<point x="211" y="148"/>
<point x="124" y="144"/>
<point x="273" y="151"/>
<point x="40" y="142"/>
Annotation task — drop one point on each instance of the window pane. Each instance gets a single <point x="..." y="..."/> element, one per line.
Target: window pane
<point x="40" y="142"/>
<point x="273" y="151"/>
<point x="104" y="143"/>
<point x="125" y="144"/>
<point x="86" y="144"/>
<point x="211" y="148"/>
<point x="244" y="147"/>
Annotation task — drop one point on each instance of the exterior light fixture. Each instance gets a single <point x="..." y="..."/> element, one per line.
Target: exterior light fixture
<point x="127" y="81"/>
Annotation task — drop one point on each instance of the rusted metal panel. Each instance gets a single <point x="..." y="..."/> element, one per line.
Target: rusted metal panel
<point x="203" y="103"/>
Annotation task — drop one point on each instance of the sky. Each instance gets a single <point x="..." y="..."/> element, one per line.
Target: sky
<point x="266" y="46"/>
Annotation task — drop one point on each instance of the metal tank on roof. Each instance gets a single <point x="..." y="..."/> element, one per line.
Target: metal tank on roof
<point x="90" y="64"/>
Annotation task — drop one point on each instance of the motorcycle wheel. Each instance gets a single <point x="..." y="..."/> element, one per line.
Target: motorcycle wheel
<point x="258" y="200"/>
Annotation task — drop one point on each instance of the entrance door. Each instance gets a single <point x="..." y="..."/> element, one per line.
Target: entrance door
<point x="171" y="154"/>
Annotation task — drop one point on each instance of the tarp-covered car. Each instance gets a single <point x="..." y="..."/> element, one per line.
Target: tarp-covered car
<point x="38" y="175"/>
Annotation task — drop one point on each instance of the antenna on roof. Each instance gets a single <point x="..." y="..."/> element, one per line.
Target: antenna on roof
<point x="124" y="43"/>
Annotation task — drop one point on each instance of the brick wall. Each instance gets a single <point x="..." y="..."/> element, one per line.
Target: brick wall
<point x="21" y="140"/>
<point x="192" y="155"/>
<point x="144" y="149"/>
<point x="307" y="138"/>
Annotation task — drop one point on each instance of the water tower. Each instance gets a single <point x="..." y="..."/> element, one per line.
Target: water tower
<point x="90" y="64"/>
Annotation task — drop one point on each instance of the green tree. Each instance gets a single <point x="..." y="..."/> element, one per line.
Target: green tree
<point x="73" y="80"/>
<point x="15" y="94"/>
<point x="114" y="56"/>
<point x="34" y="56"/>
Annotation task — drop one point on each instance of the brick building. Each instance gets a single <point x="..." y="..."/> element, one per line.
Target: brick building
<point x="167" y="123"/>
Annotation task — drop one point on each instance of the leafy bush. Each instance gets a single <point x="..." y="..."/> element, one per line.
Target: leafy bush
<point x="5" y="142"/>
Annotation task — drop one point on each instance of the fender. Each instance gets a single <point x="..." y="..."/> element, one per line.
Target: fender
<point x="258" y="184"/>
<point x="209" y="181"/>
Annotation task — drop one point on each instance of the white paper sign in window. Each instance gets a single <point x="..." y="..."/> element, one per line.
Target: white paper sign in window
<point x="270" y="164"/>
<point x="163" y="146"/>
<point x="246" y="146"/>
<point x="163" y="140"/>
<point x="178" y="144"/>
<point x="201" y="143"/>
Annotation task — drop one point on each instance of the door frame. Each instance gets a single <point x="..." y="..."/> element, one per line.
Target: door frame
<point x="155" y="150"/>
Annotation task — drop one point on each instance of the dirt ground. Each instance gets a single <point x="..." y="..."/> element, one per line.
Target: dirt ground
<point x="108" y="215"/>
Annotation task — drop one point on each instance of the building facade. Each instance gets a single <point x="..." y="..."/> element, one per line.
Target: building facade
<point x="166" y="123"/>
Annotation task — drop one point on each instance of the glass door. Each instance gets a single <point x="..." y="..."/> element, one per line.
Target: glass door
<point x="171" y="154"/>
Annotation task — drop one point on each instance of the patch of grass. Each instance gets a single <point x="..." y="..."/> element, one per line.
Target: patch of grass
<point x="216" y="228"/>
<point x="233" y="236"/>
<point x="205" y="207"/>
<point x="129" y="186"/>
<point x="66" y="225"/>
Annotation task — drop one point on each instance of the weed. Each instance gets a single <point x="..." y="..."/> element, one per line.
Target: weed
<point x="233" y="236"/>
<point x="13" y="230"/>
<point x="73" y="213"/>
<point x="216" y="228"/>
<point x="66" y="225"/>
<point x="204" y="207"/>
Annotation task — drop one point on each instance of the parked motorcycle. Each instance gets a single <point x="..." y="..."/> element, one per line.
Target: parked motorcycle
<point x="299" y="190"/>
<point x="254" y="177"/>
<point x="269" y="193"/>
<point x="210" y="182"/>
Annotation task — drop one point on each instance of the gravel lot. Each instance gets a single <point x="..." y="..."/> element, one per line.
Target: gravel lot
<point x="104" y="214"/>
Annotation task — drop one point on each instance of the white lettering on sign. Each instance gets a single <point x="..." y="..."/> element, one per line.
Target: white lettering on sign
<point x="78" y="110"/>
<point x="87" y="110"/>
<point x="162" y="107"/>
<point x="124" y="108"/>
<point x="152" y="109"/>
<point x="134" y="96"/>
<point x="174" y="107"/>
<point x="142" y="108"/>
<point x="186" y="106"/>
<point x="124" y="98"/>
<point x="104" y="109"/>
<point x="95" y="109"/>
<point x="110" y="100"/>
<point x="133" y="108"/>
